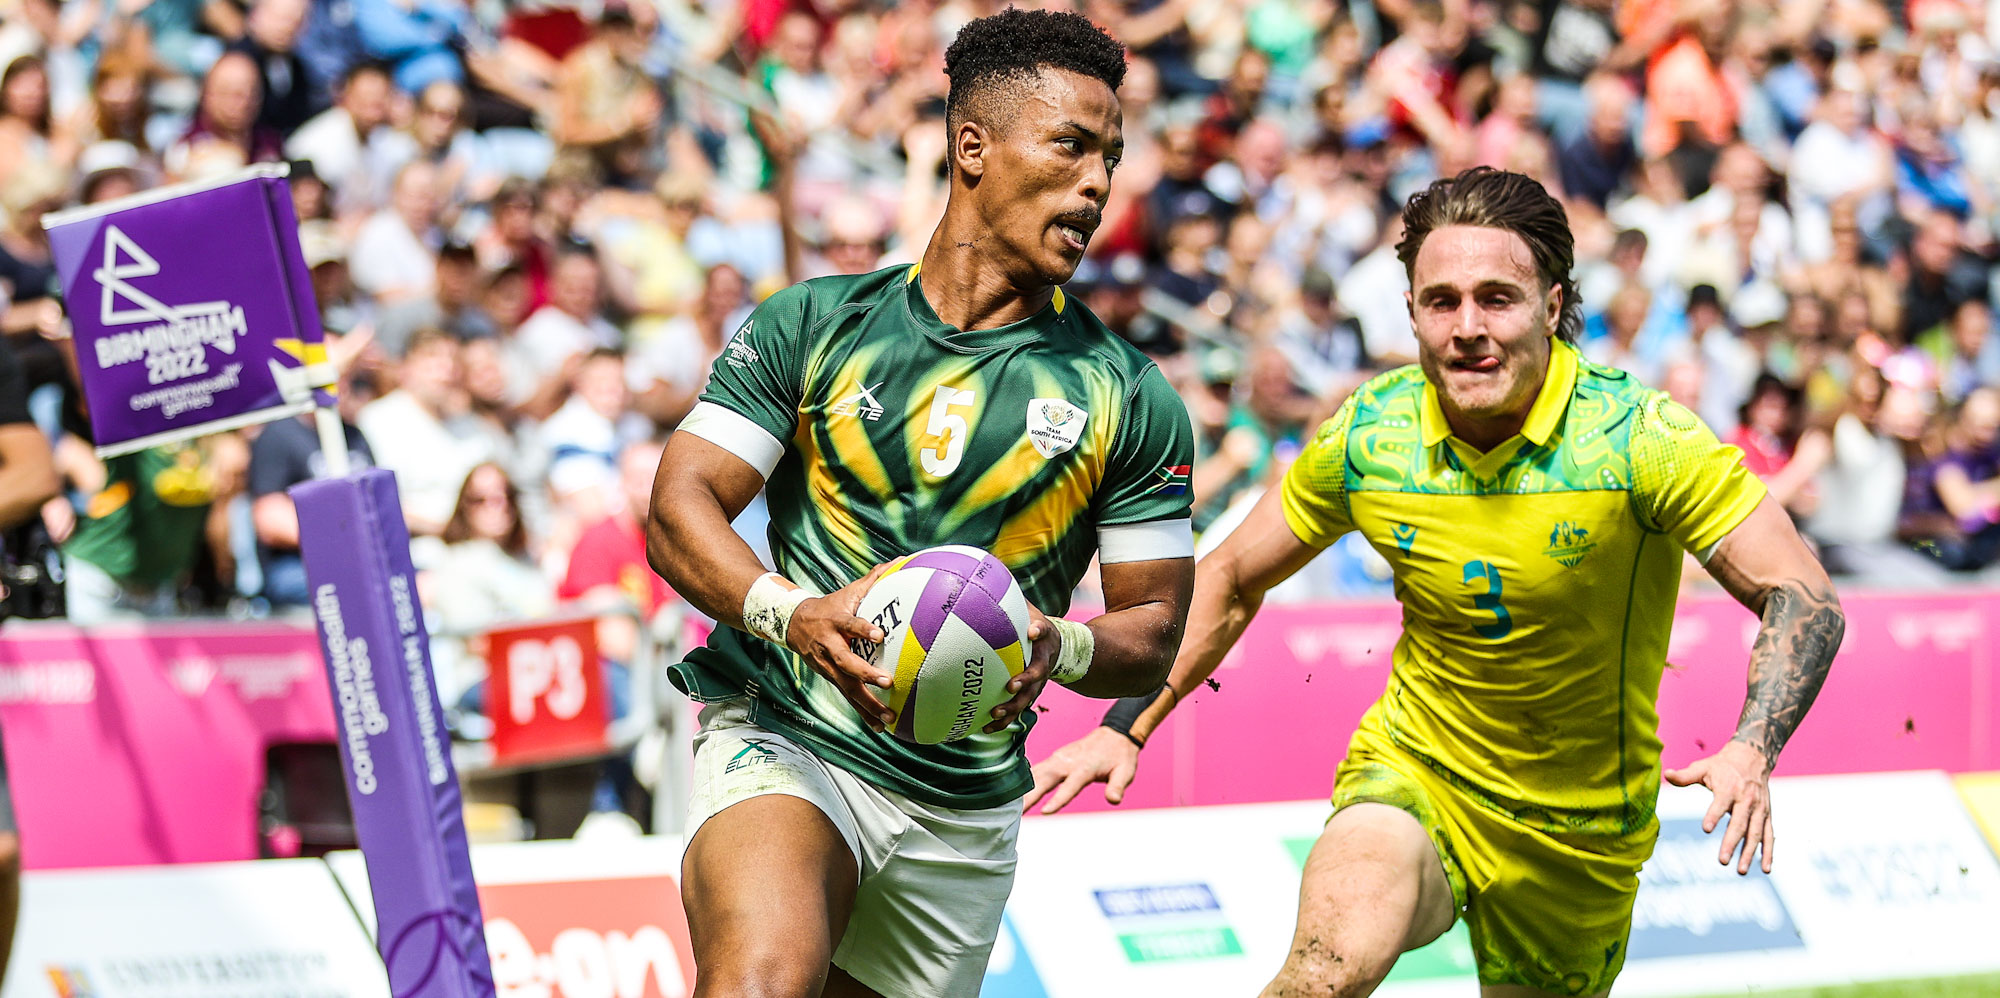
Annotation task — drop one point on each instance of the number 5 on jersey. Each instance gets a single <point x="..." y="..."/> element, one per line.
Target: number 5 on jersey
<point x="948" y="428"/>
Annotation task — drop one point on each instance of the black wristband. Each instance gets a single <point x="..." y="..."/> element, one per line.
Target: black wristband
<point x="1125" y="713"/>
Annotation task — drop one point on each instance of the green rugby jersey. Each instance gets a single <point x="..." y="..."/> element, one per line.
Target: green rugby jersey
<point x="881" y="431"/>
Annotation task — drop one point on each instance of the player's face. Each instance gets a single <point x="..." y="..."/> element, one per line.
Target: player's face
<point x="1050" y="172"/>
<point x="1483" y="320"/>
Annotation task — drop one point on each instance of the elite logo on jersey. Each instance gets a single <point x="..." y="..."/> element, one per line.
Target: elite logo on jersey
<point x="1054" y="425"/>
<point x="862" y="403"/>
<point x="1568" y="543"/>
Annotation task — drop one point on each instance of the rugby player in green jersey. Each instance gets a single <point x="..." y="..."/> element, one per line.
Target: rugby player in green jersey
<point x="964" y="400"/>
<point x="1535" y="508"/>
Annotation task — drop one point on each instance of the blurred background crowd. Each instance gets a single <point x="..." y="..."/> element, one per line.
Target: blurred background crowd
<point x="532" y="227"/>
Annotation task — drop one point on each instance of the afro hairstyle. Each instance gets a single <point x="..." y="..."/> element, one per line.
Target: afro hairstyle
<point x="1006" y="50"/>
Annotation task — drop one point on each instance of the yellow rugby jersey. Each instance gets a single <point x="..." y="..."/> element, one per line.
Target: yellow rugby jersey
<point x="1537" y="579"/>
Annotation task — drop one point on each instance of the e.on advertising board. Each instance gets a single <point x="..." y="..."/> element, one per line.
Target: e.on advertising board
<point x="575" y="919"/>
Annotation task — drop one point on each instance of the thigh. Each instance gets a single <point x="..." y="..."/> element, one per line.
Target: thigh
<point x="768" y="883"/>
<point x="771" y="867"/>
<point x="1374" y="887"/>
<point x="926" y="917"/>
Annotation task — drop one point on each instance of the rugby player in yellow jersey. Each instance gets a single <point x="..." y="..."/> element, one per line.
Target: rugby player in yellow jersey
<point x="1535" y="508"/>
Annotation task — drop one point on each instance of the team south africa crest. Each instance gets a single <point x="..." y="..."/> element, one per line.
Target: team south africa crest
<point x="1054" y="425"/>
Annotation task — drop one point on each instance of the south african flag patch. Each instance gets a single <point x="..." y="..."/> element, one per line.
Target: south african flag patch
<point x="1170" y="480"/>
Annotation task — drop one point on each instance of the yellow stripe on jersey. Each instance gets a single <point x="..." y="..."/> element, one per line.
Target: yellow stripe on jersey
<point x="1038" y="527"/>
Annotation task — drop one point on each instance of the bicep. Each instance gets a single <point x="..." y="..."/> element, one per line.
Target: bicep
<point x="1762" y="553"/>
<point x="694" y="468"/>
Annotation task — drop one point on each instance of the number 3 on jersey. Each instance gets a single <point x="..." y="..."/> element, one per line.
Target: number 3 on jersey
<point x="1488" y="600"/>
<point x="947" y="429"/>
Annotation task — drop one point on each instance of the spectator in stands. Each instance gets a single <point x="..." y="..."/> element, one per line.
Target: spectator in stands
<point x="225" y="134"/>
<point x="606" y="105"/>
<point x="452" y="304"/>
<point x="144" y="521"/>
<point x="287" y="93"/>
<point x="1943" y="274"/>
<point x="488" y="575"/>
<point x="569" y="326"/>
<point x="437" y="135"/>
<point x="27" y="134"/>
<point x="668" y="371"/>
<point x="584" y="438"/>
<point x="422" y="432"/>
<point x="1966" y="482"/>
<point x="1966" y="350"/>
<point x="1595" y="164"/>
<point x="1860" y="460"/>
<point x="340" y="141"/>
<point x="118" y="111"/>
<point x="27" y="268"/>
<point x="395" y="254"/>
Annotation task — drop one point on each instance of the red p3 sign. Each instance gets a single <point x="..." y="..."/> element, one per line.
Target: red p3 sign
<point x="546" y="692"/>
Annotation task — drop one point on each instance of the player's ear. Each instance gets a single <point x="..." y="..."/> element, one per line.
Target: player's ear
<point x="969" y="143"/>
<point x="1555" y="303"/>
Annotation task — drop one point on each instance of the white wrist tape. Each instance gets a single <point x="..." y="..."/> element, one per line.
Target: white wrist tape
<point x="1073" y="658"/>
<point x="768" y="606"/>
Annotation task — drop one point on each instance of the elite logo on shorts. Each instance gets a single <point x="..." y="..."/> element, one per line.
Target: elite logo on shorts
<point x="1054" y="425"/>
<point x="752" y="754"/>
<point x="862" y="403"/>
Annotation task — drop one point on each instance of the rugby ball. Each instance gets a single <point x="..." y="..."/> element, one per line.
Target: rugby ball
<point x="955" y="630"/>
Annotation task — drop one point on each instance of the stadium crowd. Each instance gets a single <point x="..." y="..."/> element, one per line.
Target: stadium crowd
<point x="532" y="228"/>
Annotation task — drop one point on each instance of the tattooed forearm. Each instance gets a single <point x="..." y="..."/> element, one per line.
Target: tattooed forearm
<point x="1802" y="630"/>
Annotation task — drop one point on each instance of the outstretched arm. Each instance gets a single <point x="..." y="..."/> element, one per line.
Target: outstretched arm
<point x="1229" y="587"/>
<point x="1767" y="567"/>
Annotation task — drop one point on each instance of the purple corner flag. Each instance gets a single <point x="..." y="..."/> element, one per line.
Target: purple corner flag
<point x="394" y="748"/>
<point x="192" y="310"/>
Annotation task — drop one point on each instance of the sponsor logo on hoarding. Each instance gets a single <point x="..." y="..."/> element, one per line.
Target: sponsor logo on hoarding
<point x="1169" y="922"/>
<point x="1171" y="899"/>
<point x="1898" y="873"/>
<point x="1688" y="904"/>
<point x="623" y="937"/>
<point x="1205" y="943"/>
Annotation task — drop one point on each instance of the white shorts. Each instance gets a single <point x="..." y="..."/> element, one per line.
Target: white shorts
<point x="934" y="880"/>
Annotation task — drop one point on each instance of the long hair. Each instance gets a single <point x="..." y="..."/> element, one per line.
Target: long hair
<point x="25" y="64"/>
<point x="1497" y="199"/>
<point x="459" y="528"/>
<point x="112" y="65"/>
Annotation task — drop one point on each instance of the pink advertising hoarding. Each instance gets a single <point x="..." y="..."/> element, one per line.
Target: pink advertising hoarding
<point x="134" y="744"/>
<point x="1913" y="687"/>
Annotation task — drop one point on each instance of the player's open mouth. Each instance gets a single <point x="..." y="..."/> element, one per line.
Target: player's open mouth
<point x="1479" y="365"/>
<point x="1076" y="238"/>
